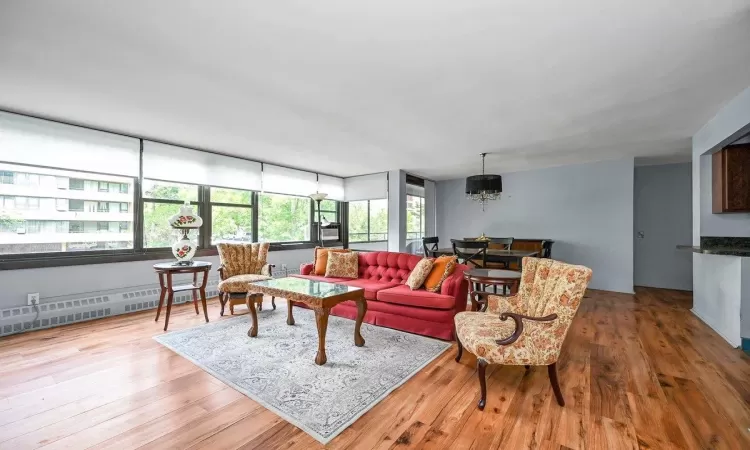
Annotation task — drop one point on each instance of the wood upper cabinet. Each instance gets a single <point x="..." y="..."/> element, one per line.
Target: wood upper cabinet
<point x="731" y="179"/>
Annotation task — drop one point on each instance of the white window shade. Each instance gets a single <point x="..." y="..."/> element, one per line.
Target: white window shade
<point x="366" y="187"/>
<point x="281" y="180"/>
<point x="332" y="186"/>
<point x="412" y="189"/>
<point x="171" y="163"/>
<point x="26" y="140"/>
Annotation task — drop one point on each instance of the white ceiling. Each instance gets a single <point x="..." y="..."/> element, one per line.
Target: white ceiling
<point x="349" y="87"/>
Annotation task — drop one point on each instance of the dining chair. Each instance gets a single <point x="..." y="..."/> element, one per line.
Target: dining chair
<point x="502" y="243"/>
<point x="546" y="249"/>
<point x="474" y="252"/>
<point x="430" y="247"/>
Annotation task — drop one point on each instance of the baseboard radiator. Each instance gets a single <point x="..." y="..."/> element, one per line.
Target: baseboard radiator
<point x="54" y="313"/>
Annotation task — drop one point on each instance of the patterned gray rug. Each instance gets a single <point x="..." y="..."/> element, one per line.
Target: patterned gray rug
<point x="277" y="369"/>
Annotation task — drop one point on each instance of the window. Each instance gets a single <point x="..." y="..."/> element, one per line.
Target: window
<point x="124" y="227"/>
<point x="124" y="207"/>
<point x="75" y="226"/>
<point x="75" y="205"/>
<point x="368" y="220"/>
<point x="75" y="184"/>
<point x="102" y="207"/>
<point x="6" y="177"/>
<point x="27" y="203"/>
<point x="284" y="218"/>
<point x="123" y="188"/>
<point x="415" y="218"/>
<point x="231" y="215"/>
<point x="33" y="226"/>
<point x="161" y="200"/>
<point x="62" y="226"/>
<point x="103" y="186"/>
<point x="61" y="204"/>
<point x="102" y="226"/>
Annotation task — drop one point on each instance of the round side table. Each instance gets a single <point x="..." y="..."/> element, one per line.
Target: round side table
<point x="491" y="277"/>
<point x="166" y="270"/>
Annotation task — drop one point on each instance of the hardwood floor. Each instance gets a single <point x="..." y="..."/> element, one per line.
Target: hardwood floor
<point x="636" y="371"/>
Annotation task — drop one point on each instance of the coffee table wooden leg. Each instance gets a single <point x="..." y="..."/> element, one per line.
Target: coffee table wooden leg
<point x="289" y="316"/>
<point x="250" y="301"/>
<point x="359" y="341"/>
<point x="321" y="320"/>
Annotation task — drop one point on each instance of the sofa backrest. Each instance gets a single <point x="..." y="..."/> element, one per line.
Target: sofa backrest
<point x="387" y="266"/>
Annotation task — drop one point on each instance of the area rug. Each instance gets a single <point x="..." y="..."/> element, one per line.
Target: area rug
<point x="277" y="369"/>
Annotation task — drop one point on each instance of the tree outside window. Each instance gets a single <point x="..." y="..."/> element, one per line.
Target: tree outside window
<point x="284" y="218"/>
<point x="231" y="215"/>
<point x="161" y="200"/>
<point x="368" y="220"/>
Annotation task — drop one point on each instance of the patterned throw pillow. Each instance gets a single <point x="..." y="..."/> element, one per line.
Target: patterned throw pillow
<point x="343" y="265"/>
<point x="442" y="268"/>
<point x="419" y="274"/>
<point x="321" y="258"/>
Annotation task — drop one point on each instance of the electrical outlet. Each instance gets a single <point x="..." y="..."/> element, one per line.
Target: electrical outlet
<point x="33" y="299"/>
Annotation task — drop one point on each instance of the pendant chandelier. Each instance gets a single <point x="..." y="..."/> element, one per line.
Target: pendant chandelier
<point x="483" y="188"/>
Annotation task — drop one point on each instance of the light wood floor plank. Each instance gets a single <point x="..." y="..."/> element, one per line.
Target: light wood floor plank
<point x="637" y="371"/>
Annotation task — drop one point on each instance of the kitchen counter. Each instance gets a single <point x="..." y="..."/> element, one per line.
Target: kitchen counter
<point x="728" y="246"/>
<point x="727" y="251"/>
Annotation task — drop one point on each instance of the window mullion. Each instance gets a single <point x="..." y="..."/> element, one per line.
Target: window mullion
<point x="255" y="202"/>
<point x="204" y="206"/>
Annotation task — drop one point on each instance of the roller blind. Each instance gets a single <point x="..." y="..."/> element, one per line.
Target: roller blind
<point x="26" y="140"/>
<point x="412" y="189"/>
<point x="171" y="163"/>
<point x="281" y="180"/>
<point x="366" y="187"/>
<point x="332" y="186"/>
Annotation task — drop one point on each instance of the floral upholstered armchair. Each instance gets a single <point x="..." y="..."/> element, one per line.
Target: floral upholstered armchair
<point x="541" y="314"/>
<point x="241" y="264"/>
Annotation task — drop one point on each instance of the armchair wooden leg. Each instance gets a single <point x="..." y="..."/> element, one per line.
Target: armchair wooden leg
<point x="527" y="368"/>
<point x="552" y="369"/>
<point x="273" y="302"/>
<point x="222" y="302"/>
<point x="231" y="307"/>
<point x="481" y="366"/>
<point x="460" y="349"/>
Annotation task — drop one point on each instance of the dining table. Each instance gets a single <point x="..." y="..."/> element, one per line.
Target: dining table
<point x="497" y="255"/>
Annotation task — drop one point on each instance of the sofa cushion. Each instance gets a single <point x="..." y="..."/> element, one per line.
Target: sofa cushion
<point x="442" y="268"/>
<point x="343" y="265"/>
<point x="371" y="287"/>
<point x="321" y="258"/>
<point x="418" y="276"/>
<point x="403" y="295"/>
<point x="387" y="266"/>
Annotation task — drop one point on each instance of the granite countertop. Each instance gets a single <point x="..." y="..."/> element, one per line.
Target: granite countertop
<point x="728" y="251"/>
<point x="713" y="245"/>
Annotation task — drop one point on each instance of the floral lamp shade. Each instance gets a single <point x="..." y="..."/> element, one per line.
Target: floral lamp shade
<point x="185" y="220"/>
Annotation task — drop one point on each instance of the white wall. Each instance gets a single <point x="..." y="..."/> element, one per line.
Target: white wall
<point x="370" y="246"/>
<point x="721" y="287"/>
<point x="587" y="209"/>
<point x="663" y="213"/>
<point x="83" y="281"/>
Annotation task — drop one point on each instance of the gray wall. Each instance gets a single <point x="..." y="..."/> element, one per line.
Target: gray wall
<point x="663" y="212"/>
<point x="587" y="209"/>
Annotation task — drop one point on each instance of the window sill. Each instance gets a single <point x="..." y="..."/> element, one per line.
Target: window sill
<point x="45" y="261"/>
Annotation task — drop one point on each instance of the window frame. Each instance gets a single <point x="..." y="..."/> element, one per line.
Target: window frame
<point x="197" y="207"/>
<point x="209" y="216"/>
<point x="138" y="252"/>
<point x="369" y="228"/>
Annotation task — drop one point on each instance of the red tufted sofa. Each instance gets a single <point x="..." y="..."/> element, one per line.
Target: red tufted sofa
<point x="390" y="303"/>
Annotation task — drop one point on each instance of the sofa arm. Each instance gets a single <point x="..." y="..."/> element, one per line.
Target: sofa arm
<point x="457" y="287"/>
<point x="305" y="269"/>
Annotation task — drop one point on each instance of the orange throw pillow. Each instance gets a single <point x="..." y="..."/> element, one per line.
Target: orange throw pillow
<point x="442" y="268"/>
<point x="321" y="259"/>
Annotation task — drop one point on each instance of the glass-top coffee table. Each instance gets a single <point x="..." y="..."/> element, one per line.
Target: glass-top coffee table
<point x="318" y="295"/>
